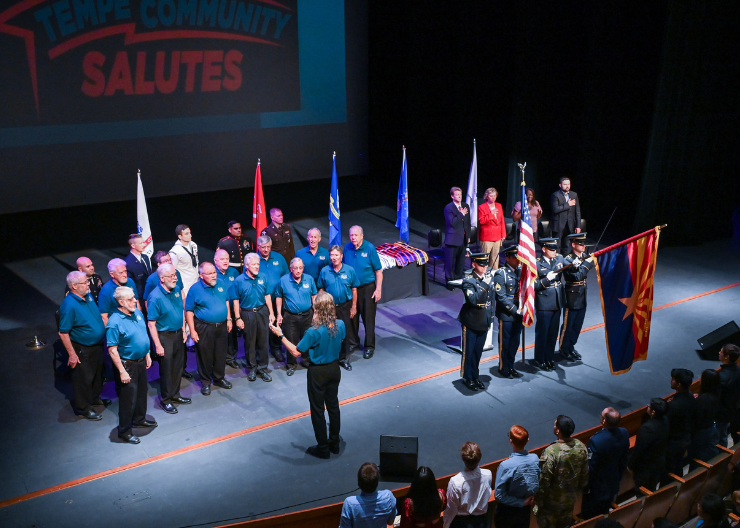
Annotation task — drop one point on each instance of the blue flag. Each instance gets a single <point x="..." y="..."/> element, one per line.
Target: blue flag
<point x="335" y="224"/>
<point x="402" y="218"/>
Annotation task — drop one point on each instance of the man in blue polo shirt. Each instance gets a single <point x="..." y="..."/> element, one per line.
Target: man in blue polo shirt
<point x="363" y="257"/>
<point x="152" y="282"/>
<point x="340" y="280"/>
<point x="228" y="275"/>
<point x="118" y="277"/>
<point x="128" y="346"/>
<point x="272" y="267"/>
<point x="207" y="314"/>
<point x="82" y="331"/>
<point x="314" y="256"/>
<point x="167" y="328"/>
<point x="253" y="310"/>
<point x="295" y="292"/>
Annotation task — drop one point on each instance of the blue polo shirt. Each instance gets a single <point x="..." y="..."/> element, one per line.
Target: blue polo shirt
<point x="338" y="283"/>
<point x="250" y="292"/>
<point x="153" y="281"/>
<point x="312" y="264"/>
<point x="229" y="278"/>
<point x="296" y="297"/>
<point x="271" y="269"/>
<point x="128" y="333"/>
<point x="208" y="303"/>
<point x="106" y="302"/>
<point x="166" y="309"/>
<point x="322" y="348"/>
<point x="364" y="260"/>
<point x="80" y="318"/>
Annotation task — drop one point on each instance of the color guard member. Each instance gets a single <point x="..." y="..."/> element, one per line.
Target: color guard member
<point x="506" y="281"/>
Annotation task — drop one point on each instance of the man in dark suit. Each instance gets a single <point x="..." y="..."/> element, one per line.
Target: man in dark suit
<point x="138" y="265"/>
<point x="729" y="378"/>
<point x="608" y="451"/>
<point x="648" y="456"/>
<point x="566" y="214"/>
<point x="457" y="235"/>
<point x="681" y="410"/>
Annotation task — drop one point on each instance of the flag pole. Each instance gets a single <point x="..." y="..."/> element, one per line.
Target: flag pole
<point x="522" y="167"/>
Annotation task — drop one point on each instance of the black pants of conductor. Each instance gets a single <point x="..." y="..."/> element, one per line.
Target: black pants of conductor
<point x="322" y="385"/>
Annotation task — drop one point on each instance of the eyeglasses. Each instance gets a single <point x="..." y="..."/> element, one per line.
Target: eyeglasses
<point x="173" y="276"/>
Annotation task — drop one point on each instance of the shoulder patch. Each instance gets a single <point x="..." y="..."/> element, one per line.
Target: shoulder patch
<point x="498" y="287"/>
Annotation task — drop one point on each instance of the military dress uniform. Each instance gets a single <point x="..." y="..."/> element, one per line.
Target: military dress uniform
<point x="282" y="239"/>
<point x="476" y="316"/>
<point x="506" y="288"/>
<point x="575" y="302"/>
<point x="237" y="250"/>
<point x="549" y="301"/>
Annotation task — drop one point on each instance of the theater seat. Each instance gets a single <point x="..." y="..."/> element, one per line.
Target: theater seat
<point x="434" y="249"/>
<point x="627" y="514"/>
<point x="590" y="523"/>
<point x="656" y="504"/>
<point x="688" y="492"/>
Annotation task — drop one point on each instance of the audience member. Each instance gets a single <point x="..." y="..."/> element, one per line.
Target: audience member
<point x="468" y="492"/>
<point x="185" y="257"/>
<point x="564" y="474"/>
<point x="236" y="245"/>
<point x="535" y="211"/>
<point x="314" y="256"/>
<point x="424" y="502"/>
<point x="608" y="451"/>
<point x="363" y="257"/>
<point x="272" y="268"/>
<point x="729" y="374"/>
<point x="81" y="330"/>
<point x="207" y="313"/>
<point x="704" y="434"/>
<point x="228" y="275"/>
<point x="128" y="346"/>
<point x="371" y="508"/>
<point x="681" y="416"/>
<point x="86" y="266"/>
<point x="457" y="235"/>
<point x="565" y="210"/>
<point x="118" y="277"/>
<point x="711" y="510"/>
<point x="647" y="458"/>
<point x="279" y="233"/>
<point x="138" y="265"/>
<point x="491" y="227"/>
<point x="517" y="482"/>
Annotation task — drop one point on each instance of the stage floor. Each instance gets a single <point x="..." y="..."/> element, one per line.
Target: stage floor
<point x="239" y="453"/>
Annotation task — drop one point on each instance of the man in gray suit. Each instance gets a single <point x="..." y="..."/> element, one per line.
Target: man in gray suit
<point x="566" y="214"/>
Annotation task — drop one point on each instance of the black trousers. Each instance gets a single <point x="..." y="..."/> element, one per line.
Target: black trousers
<point x="87" y="376"/>
<point x="366" y="308"/>
<point x="322" y="384"/>
<point x="170" y="365"/>
<point x="509" y="333"/>
<point x="232" y="348"/>
<point x="572" y="324"/>
<point x="454" y="262"/>
<point x="276" y="344"/>
<point x="256" y="328"/>
<point x="471" y="521"/>
<point x="211" y="351"/>
<point x="546" y="334"/>
<point x="512" y="516"/>
<point x="132" y="395"/>
<point x="294" y="326"/>
<point x="592" y="507"/>
<point x="343" y="315"/>
<point x="562" y="237"/>
<point x="472" y="350"/>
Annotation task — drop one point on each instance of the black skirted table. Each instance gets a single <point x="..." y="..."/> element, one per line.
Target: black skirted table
<point x="402" y="283"/>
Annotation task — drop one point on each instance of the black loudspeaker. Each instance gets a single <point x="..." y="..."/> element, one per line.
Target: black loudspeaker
<point x="711" y="343"/>
<point x="399" y="455"/>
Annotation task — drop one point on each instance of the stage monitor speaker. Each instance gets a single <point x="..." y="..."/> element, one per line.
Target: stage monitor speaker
<point x="711" y="343"/>
<point x="399" y="455"/>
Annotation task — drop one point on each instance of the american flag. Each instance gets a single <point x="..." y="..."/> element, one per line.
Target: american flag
<point x="526" y="255"/>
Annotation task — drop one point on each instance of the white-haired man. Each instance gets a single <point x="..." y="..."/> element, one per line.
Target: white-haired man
<point x="118" y="277"/>
<point x="314" y="256"/>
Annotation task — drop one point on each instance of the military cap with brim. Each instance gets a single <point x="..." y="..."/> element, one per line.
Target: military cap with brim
<point x="549" y="243"/>
<point x="479" y="258"/>
<point x="510" y="251"/>
<point x="578" y="237"/>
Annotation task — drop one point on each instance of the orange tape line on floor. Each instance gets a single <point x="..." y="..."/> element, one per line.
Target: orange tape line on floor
<point x="280" y="421"/>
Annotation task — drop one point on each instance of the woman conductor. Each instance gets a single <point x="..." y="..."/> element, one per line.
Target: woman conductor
<point x="322" y="342"/>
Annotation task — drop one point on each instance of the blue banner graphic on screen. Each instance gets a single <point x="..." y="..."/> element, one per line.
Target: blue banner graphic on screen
<point x="81" y="61"/>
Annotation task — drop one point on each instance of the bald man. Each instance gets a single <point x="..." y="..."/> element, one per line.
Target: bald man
<point x="85" y="265"/>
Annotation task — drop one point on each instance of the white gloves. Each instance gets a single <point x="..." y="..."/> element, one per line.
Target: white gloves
<point x="551" y="276"/>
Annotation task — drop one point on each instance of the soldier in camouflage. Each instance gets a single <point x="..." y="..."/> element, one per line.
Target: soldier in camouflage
<point x="564" y="474"/>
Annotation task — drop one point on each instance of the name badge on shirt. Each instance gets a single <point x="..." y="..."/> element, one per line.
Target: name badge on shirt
<point x="343" y="276"/>
<point x="138" y="317"/>
<point x="322" y="258"/>
<point x="305" y="286"/>
<point x="220" y="289"/>
<point x="260" y="281"/>
<point x="274" y="262"/>
<point x="231" y="279"/>
<point x="177" y="295"/>
<point x="364" y="254"/>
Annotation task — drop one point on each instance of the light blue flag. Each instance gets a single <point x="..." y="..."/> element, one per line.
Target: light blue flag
<point x="335" y="224"/>
<point x="402" y="218"/>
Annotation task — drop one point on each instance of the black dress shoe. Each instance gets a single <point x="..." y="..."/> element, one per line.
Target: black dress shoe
<point x="575" y="355"/>
<point x="479" y="384"/>
<point x="130" y="438"/>
<point x="232" y="363"/>
<point x="187" y="375"/>
<point x="262" y="373"/>
<point x="291" y="370"/>
<point x="205" y="390"/>
<point x="169" y="408"/>
<point x="315" y="451"/>
<point x="146" y="423"/>
<point x="91" y="415"/>
<point x="279" y="357"/>
<point x="252" y="375"/>
<point x="470" y="384"/>
<point x="535" y="363"/>
<point x="223" y="384"/>
<point x="334" y="448"/>
<point x="102" y="401"/>
<point x="505" y="374"/>
<point x="180" y="399"/>
<point x="368" y="353"/>
<point x="515" y="373"/>
<point x="345" y="365"/>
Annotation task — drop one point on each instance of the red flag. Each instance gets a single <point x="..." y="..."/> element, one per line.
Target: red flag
<point x="259" y="217"/>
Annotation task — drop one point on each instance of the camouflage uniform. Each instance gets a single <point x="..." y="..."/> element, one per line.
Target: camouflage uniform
<point x="564" y="474"/>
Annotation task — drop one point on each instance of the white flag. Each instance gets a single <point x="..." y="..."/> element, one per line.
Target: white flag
<point x="142" y="219"/>
<point x="472" y="197"/>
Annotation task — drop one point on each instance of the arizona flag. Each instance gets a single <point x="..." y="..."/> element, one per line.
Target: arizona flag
<point x="625" y="272"/>
<point x="142" y="219"/>
<point x="259" y="216"/>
